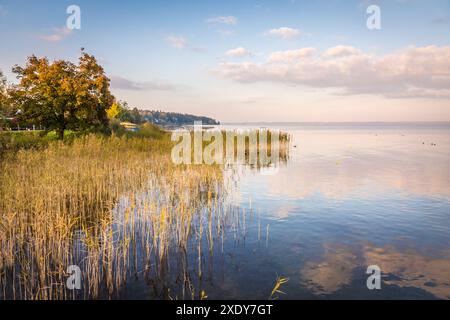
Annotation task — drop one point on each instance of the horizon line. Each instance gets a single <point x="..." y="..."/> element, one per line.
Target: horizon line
<point x="336" y="122"/>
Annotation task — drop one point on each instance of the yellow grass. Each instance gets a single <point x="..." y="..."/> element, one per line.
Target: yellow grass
<point x="95" y="203"/>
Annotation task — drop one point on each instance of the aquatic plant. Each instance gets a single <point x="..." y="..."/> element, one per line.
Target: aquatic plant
<point x="116" y="207"/>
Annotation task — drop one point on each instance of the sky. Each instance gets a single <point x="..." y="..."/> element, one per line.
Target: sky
<point x="251" y="61"/>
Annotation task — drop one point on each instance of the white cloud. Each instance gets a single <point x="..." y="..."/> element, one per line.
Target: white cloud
<point x="291" y="55"/>
<point x="341" y="51"/>
<point x="408" y="73"/>
<point x="238" y="52"/>
<point x="180" y="42"/>
<point x="284" y="32"/>
<point x="229" y="20"/>
<point x="58" y="35"/>
<point x="177" y="42"/>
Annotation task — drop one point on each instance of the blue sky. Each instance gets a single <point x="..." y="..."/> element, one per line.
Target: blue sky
<point x="172" y="55"/>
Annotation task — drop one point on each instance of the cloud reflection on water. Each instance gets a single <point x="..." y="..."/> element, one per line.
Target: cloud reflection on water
<point x="406" y="269"/>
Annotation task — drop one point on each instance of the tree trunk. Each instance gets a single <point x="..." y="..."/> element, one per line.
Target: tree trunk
<point x="61" y="127"/>
<point x="60" y="132"/>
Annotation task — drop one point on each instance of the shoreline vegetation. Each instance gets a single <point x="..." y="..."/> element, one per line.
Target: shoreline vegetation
<point x="114" y="206"/>
<point x="85" y="192"/>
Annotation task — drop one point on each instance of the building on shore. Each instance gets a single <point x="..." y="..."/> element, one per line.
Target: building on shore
<point x="130" y="126"/>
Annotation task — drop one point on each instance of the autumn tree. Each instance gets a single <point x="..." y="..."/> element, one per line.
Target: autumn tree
<point x="61" y="95"/>
<point x="6" y="109"/>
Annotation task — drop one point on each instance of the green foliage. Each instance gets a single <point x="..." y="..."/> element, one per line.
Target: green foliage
<point x="148" y="130"/>
<point x="116" y="128"/>
<point x="174" y="119"/>
<point x="69" y="135"/>
<point x="15" y="141"/>
<point x="61" y="95"/>
<point x="159" y="117"/>
<point x="5" y="110"/>
<point x="128" y="115"/>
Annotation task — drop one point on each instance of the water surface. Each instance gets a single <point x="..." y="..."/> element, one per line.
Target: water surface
<point x="348" y="197"/>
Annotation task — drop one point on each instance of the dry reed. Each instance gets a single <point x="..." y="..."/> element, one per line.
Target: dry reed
<point x="115" y="207"/>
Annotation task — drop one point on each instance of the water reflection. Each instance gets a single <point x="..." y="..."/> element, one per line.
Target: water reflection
<point x="343" y="164"/>
<point x="411" y="269"/>
<point x="352" y="197"/>
<point x="339" y="201"/>
<point x="331" y="273"/>
<point x="405" y="269"/>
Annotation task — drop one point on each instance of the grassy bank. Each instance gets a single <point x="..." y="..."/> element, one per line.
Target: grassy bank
<point x="13" y="141"/>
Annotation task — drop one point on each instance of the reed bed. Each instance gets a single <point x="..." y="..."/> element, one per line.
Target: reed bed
<point x="115" y="207"/>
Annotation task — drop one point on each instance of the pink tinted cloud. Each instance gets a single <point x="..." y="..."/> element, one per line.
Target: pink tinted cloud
<point x="408" y="73"/>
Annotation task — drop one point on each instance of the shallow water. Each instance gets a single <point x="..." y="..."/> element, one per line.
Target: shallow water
<point x="347" y="198"/>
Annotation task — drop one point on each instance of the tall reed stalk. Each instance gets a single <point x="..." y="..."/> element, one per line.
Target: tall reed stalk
<point x="115" y="207"/>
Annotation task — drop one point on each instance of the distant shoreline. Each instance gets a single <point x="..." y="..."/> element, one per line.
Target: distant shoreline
<point x="403" y="123"/>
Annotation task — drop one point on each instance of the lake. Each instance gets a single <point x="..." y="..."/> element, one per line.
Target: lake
<point x="348" y="197"/>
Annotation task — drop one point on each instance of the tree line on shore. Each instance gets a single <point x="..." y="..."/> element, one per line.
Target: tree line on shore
<point x="61" y="95"/>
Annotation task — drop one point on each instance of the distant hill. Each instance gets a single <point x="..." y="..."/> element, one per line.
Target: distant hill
<point x="173" y="119"/>
<point x="160" y="118"/>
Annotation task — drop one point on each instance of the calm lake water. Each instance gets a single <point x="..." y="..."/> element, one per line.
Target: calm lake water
<point x="348" y="197"/>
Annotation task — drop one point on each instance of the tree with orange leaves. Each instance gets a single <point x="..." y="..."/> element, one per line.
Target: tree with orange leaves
<point x="61" y="95"/>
